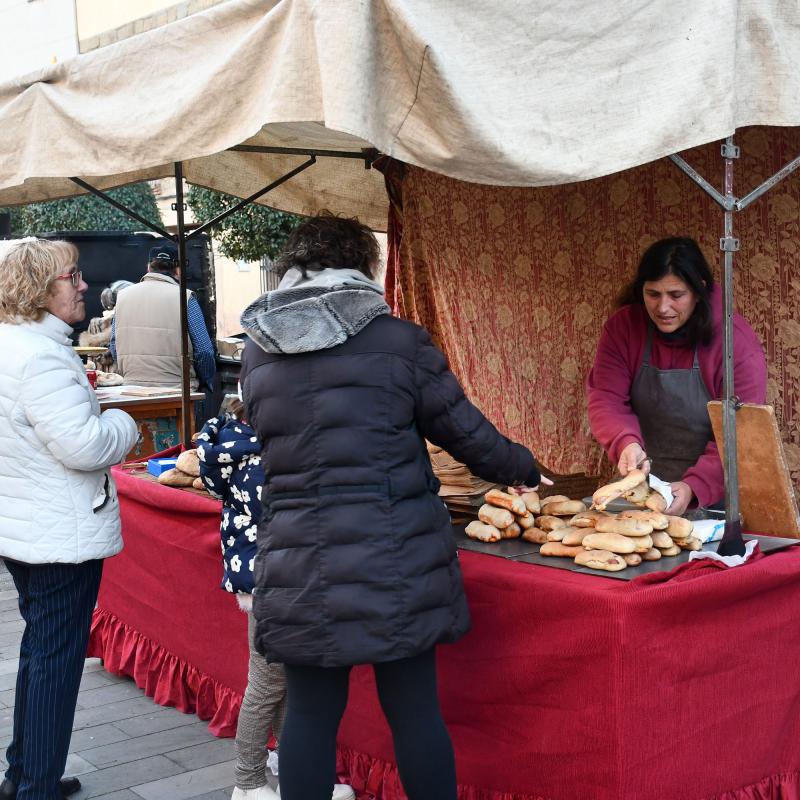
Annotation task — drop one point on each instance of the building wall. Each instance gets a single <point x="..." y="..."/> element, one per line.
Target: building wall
<point x="35" y="34"/>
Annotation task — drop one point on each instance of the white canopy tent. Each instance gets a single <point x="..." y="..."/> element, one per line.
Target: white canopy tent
<point x="517" y="94"/>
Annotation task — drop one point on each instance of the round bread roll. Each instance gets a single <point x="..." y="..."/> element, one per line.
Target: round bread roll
<point x="653" y="554"/>
<point x="482" y="532"/>
<point x="550" y="523"/>
<point x="189" y="462"/>
<point x="679" y="528"/>
<point x="532" y="503"/>
<point x="661" y="539"/>
<point x="587" y="519"/>
<point x="563" y="508"/>
<point x="535" y="535"/>
<point x="512" y="531"/>
<point x="513" y="502"/>
<point x="109" y="379"/>
<point x="641" y="544"/>
<point x="600" y="559"/>
<point x="175" y="477"/>
<point x="692" y="543"/>
<point x="526" y="521"/>
<point x="492" y="515"/>
<point x="670" y="551"/>
<point x="656" y="502"/>
<point x="559" y="549"/>
<point x="633" y="559"/>
<point x="613" y="542"/>
<point x="660" y="522"/>
<point x="574" y="536"/>
<point x="627" y="527"/>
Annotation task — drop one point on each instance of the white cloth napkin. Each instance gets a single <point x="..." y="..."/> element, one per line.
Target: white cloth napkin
<point x="729" y="561"/>
<point x="662" y="487"/>
<point x="709" y="530"/>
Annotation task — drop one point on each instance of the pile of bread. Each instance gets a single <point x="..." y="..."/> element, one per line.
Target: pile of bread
<point x="186" y="472"/>
<point x="593" y="537"/>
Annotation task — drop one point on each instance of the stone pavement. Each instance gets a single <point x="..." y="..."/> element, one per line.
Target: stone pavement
<point x="124" y="746"/>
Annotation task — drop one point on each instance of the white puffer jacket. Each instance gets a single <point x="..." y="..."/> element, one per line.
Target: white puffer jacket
<point x="55" y="450"/>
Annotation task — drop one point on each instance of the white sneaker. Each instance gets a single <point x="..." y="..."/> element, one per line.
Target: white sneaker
<point x="341" y="791"/>
<point x="261" y="793"/>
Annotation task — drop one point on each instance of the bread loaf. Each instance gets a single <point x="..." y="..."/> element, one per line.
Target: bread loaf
<point x="670" y="551"/>
<point x="550" y="523"/>
<point x="661" y="539"/>
<point x="587" y="519"/>
<point x="692" y="543"/>
<point x="657" y="520"/>
<point x="492" y="515"/>
<point x="653" y="554"/>
<point x="557" y="534"/>
<point x="641" y="544"/>
<point x="680" y="528"/>
<point x="531" y="500"/>
<point x="600" y="559"/>
<point x="189" y="462"/>
<point x="560" y="550"/>
<point x="633" y="559"/>
<point x="605" y="494"/>
<point x="563" y="508"/>
<point x="656" y="502"/>
<point x="627" y="527"/>
<point x="511" y="531"/>
<point x="535" y="535"/>
<point x="175" y="477"/>
<point x="482" y="532"/>
<point x="553" y="498"/>
<point x="526" y="521"/>
<point x="613" y="542"/>
<point x="197" y="483"/>
<point x="638" y="494"/>
<point x="513" y="502"/>
<point x="574" y="536"/>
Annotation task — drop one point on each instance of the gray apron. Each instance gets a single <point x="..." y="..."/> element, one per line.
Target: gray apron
<point x="672" y="412"/>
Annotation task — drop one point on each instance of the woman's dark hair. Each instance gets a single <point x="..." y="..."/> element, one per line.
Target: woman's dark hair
<point x="681" y="257"/>
<point x="327" y="241"/>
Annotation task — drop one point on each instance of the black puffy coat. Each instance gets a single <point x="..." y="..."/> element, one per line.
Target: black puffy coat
<point x="356" y="557"/>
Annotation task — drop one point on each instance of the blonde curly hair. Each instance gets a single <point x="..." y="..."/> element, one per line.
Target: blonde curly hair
<point x="28" y="268"/>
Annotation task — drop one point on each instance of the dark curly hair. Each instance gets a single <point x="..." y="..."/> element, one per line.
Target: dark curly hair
<point x="327" y="241"/>
<point x="679" y="256"/>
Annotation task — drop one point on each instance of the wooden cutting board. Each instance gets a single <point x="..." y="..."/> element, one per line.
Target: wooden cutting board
<point x="766" y="496"/>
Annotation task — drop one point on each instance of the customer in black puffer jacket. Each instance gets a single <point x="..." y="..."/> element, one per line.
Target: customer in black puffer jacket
<point x="356" y="559"/>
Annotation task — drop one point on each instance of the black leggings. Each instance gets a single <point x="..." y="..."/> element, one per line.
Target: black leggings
<point x="408" y="697"/>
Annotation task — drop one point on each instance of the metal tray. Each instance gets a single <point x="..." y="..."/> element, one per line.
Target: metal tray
<point x="527" y="553"/>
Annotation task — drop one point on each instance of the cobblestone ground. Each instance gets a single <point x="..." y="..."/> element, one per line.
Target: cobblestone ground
<point x="124" y="746"/>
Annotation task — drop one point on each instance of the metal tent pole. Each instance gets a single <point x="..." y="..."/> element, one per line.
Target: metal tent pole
<point x="186" y="435"/>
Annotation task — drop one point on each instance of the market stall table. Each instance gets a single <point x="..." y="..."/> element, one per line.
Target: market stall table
<point x="674" y="686"/>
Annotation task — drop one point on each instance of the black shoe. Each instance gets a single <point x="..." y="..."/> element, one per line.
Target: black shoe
<point x="8" y="791"/>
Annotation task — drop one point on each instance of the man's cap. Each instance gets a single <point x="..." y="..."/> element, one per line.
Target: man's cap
<point x="164" y="253"/>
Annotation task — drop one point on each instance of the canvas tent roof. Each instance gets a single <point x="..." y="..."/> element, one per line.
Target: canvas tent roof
<point x="504" y="93"/>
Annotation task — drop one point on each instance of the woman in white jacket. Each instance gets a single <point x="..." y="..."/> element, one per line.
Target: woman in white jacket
<point x="59" y="516"/>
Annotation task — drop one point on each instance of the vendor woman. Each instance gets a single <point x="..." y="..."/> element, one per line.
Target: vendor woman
<point x="658" y="363"/>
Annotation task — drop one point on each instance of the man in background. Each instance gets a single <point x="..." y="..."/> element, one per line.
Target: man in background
<point x="146" y="332"/>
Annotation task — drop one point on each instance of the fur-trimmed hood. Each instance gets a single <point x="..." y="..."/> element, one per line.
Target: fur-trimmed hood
<point x="304" y="315"/>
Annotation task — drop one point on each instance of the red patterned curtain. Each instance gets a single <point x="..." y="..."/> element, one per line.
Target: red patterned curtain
<point x="515" y="283"/>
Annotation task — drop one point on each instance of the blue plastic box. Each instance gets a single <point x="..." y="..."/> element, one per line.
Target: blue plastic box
<point x="155" y="466"/>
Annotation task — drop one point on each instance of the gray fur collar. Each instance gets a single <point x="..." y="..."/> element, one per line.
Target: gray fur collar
<point x="313" y="315"/>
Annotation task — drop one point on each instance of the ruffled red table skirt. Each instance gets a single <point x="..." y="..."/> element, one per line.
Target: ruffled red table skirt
<point x="677" y="686"/>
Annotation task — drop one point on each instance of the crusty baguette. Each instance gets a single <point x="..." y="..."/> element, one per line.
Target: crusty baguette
<point x="175" y="477"/>
<point x="626" y="527"/>
<point x="511" y="531"/>
<point x="482" y="532"/>
<point x="535" y="535"/>
<point x="659" y="521"/>
<point x="563" y="508"/>
<point x="550" y="523"/>
<point x="574" y="536"/>
<point x="680" y="528"/>
<point x="613" y="542"/>
<point x="600" y="559"/>
<point x="492" y="515"/>
<point x="189" y="462"/>
<point x="559" y="550"/>
<point x="513" y="502"/>
<point x="532" y="502"/>
<point x="605" y="494"/>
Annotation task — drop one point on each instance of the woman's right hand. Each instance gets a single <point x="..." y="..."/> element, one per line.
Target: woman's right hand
<point x="523" y="489"/>
<point x="631" y="457"/>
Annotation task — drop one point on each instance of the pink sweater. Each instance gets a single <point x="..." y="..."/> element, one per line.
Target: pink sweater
<point x="619" y="356"/>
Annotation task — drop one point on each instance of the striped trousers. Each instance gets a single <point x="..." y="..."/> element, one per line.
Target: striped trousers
<point x="56" y="601"/>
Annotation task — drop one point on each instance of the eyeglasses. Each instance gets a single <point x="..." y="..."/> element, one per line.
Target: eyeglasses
<point x="76" y="276"/>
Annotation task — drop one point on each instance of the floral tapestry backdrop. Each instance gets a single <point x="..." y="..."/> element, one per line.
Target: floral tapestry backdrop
<point x="515" y="283"/>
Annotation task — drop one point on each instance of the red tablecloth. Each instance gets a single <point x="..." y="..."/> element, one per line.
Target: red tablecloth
<point x="677" y="686"/>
